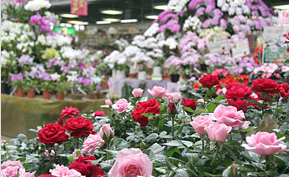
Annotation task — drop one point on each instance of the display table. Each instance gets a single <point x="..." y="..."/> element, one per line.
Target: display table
<point x="117" y="84"/>
<point x="20" y="114"/>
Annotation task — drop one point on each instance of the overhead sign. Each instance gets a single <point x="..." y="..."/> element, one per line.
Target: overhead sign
<point x="283" y="18"/>
<point x="218" y="44"/>
<point x="79" y="7"/>
<point x="241" y="49"/>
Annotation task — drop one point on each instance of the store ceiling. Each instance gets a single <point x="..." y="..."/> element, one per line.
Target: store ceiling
<point x="133" y="9"/>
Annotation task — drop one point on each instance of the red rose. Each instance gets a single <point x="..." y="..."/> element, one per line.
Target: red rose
<point x="46" y="175"/>
<point x="69" y="112"/>
<point x="150" y="106"/>
<point x="209" y="80"/>
<point x="265" y="85"/>
<point x="284" y="90"/>
<point x="79" y="127"/>
<point x="172" y="107"/>
<point x="237" y="91"/>
<point x="60" y="121"/>
<point x="83" y="165"/>
<point x="191" y="103"/>
<point x="51" y="134"/>
<point x="98" y="113"/>
<point x="239" y="104"/>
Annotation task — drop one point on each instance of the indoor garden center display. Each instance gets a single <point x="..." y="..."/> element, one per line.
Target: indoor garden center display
<point x="229" y="119"/>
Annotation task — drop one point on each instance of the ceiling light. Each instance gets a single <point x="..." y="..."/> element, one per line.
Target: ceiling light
<point x="281" y="6"/>
<point x="103" y="22"/>
<point x="77" y="22"/>
<point x="163" y="7"/>
<point x="111" y="19"/>
<point x="128" y="21"/>
<point x="153" y="17"/>
<point x="111" y="12"/>
<point x="69" y="16"/>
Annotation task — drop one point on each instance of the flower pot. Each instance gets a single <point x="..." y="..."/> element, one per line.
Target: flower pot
<point x="20" y="92"/>
<point x="91" y="95"/>
<point x="175" y="77"/>
<point x="60" y="95"/>
<point x="113" y="73"/>
<point x="120" y="74"/>
<point x="30" y="93"/>
<point x="77" y="96"/>
<point x="132" y="69"/>
<point x="157" y="70"/>
<point x="142" y="75"/>
<point x="46" y="94"/>
<point x="101" y="95"/>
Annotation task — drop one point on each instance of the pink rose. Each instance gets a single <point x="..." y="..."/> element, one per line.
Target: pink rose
<point x="137" y="92"/>
<point x="63" y="171"/>
<point x="200" y="122"/>
<point x="91" y="143"/>
<point x="175" y="96"/>
<point x="131" y="162"/>
<point x="10" y="163"/>
<point x="121" y="105"/>
<point x="108" y="102"/>
<point x="3" y="141"/>
<point x="218" y="132"/>
<point x="22" y="173"/>
<point x="10" y="171"/>
<point x="158" y="91"/>
<point x="231" y="117"/>
<point x="264" y="143"/>
<point x="105" y="128"/>
<point x="74" y="154"/>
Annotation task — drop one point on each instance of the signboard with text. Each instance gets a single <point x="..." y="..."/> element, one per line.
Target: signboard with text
<point x="241" y="49"/>
<point x="79" y="7"/>
<point x="273" y="48"/>
<point x="283" y="18"/>
<point x="218" y="44"/>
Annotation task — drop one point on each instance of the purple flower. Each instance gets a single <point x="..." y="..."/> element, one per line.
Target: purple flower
<point x="80" y="80"/>
<point x="25" y="60"/>
<point x="88" y="72"/>
<point x="207" y="23"/>
<point x="238" y="70"/>
<point x="71" y="65"/>
<point x="223" y="23"/>
<point x="64" y="69"/>
<point x="45" y="76"/>
<point x="175" y="28"/>
<point x="16" y="77"/>
<point x="56" y="62"/>
<point x="44" y="25"/>
<point x="192" y="79"/>
<point x="50" y="62"/>
<point x="81" y="65"/>
<point x="210" y="6"/>
<point x="86" y="81"/>
<point x="98" y="87"/>
<point x="200" y="11"/>
<point x="34" y="19"/>
<point x="52" y="19"/>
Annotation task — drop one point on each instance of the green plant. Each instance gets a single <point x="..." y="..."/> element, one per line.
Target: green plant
<point x="61" y="86"/>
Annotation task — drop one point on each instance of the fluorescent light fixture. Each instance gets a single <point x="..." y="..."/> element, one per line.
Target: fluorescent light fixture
<point x="77" y="22"/>
<point x="153" y="17"/>
<point x="163" y="7"/>
<point x="103" y="22"/>
<point x="111" y="19"/>
<point x="69" y="16"/>
<point x="281" y="6"/>
<point x="62" y="24"/>
<point x="128" y="21"/>
<point x="111" y="12"/>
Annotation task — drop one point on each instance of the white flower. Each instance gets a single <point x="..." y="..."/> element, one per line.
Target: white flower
<point x="95" y="79"/>
<point x="36" y="5"/>
<point x="71" y="78"/>
<point x="225" y="7"/>
<point x="55" y="76"/>
<point x="152" y="30"/>
<point x="7" y="25"/>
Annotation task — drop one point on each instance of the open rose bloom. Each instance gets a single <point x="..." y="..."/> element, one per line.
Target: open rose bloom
<point x="264" y="143"/>
<point x="158" y="91"/>
<point x="121" y="105"/>
<point x="131" y="162"/>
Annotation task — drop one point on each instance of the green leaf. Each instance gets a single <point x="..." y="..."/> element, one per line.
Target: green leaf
<point x="219" y="98"/>
<point x="189" y="109"/>
<point x="161" y="107"/>
<point x="210" y="175"/>
<point x="171" y="151"/>
<point x="21" y="159"/>
<point x="151" y="138"/>
<point x="246" y="130"/>
<point x="161" y="170"/>
<point x="187" y="143"/>
<point x="143" y="99"/>
<point x="196" y="94"/>
<point x="181" y="173"/>
<point x="211" y="107"/>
